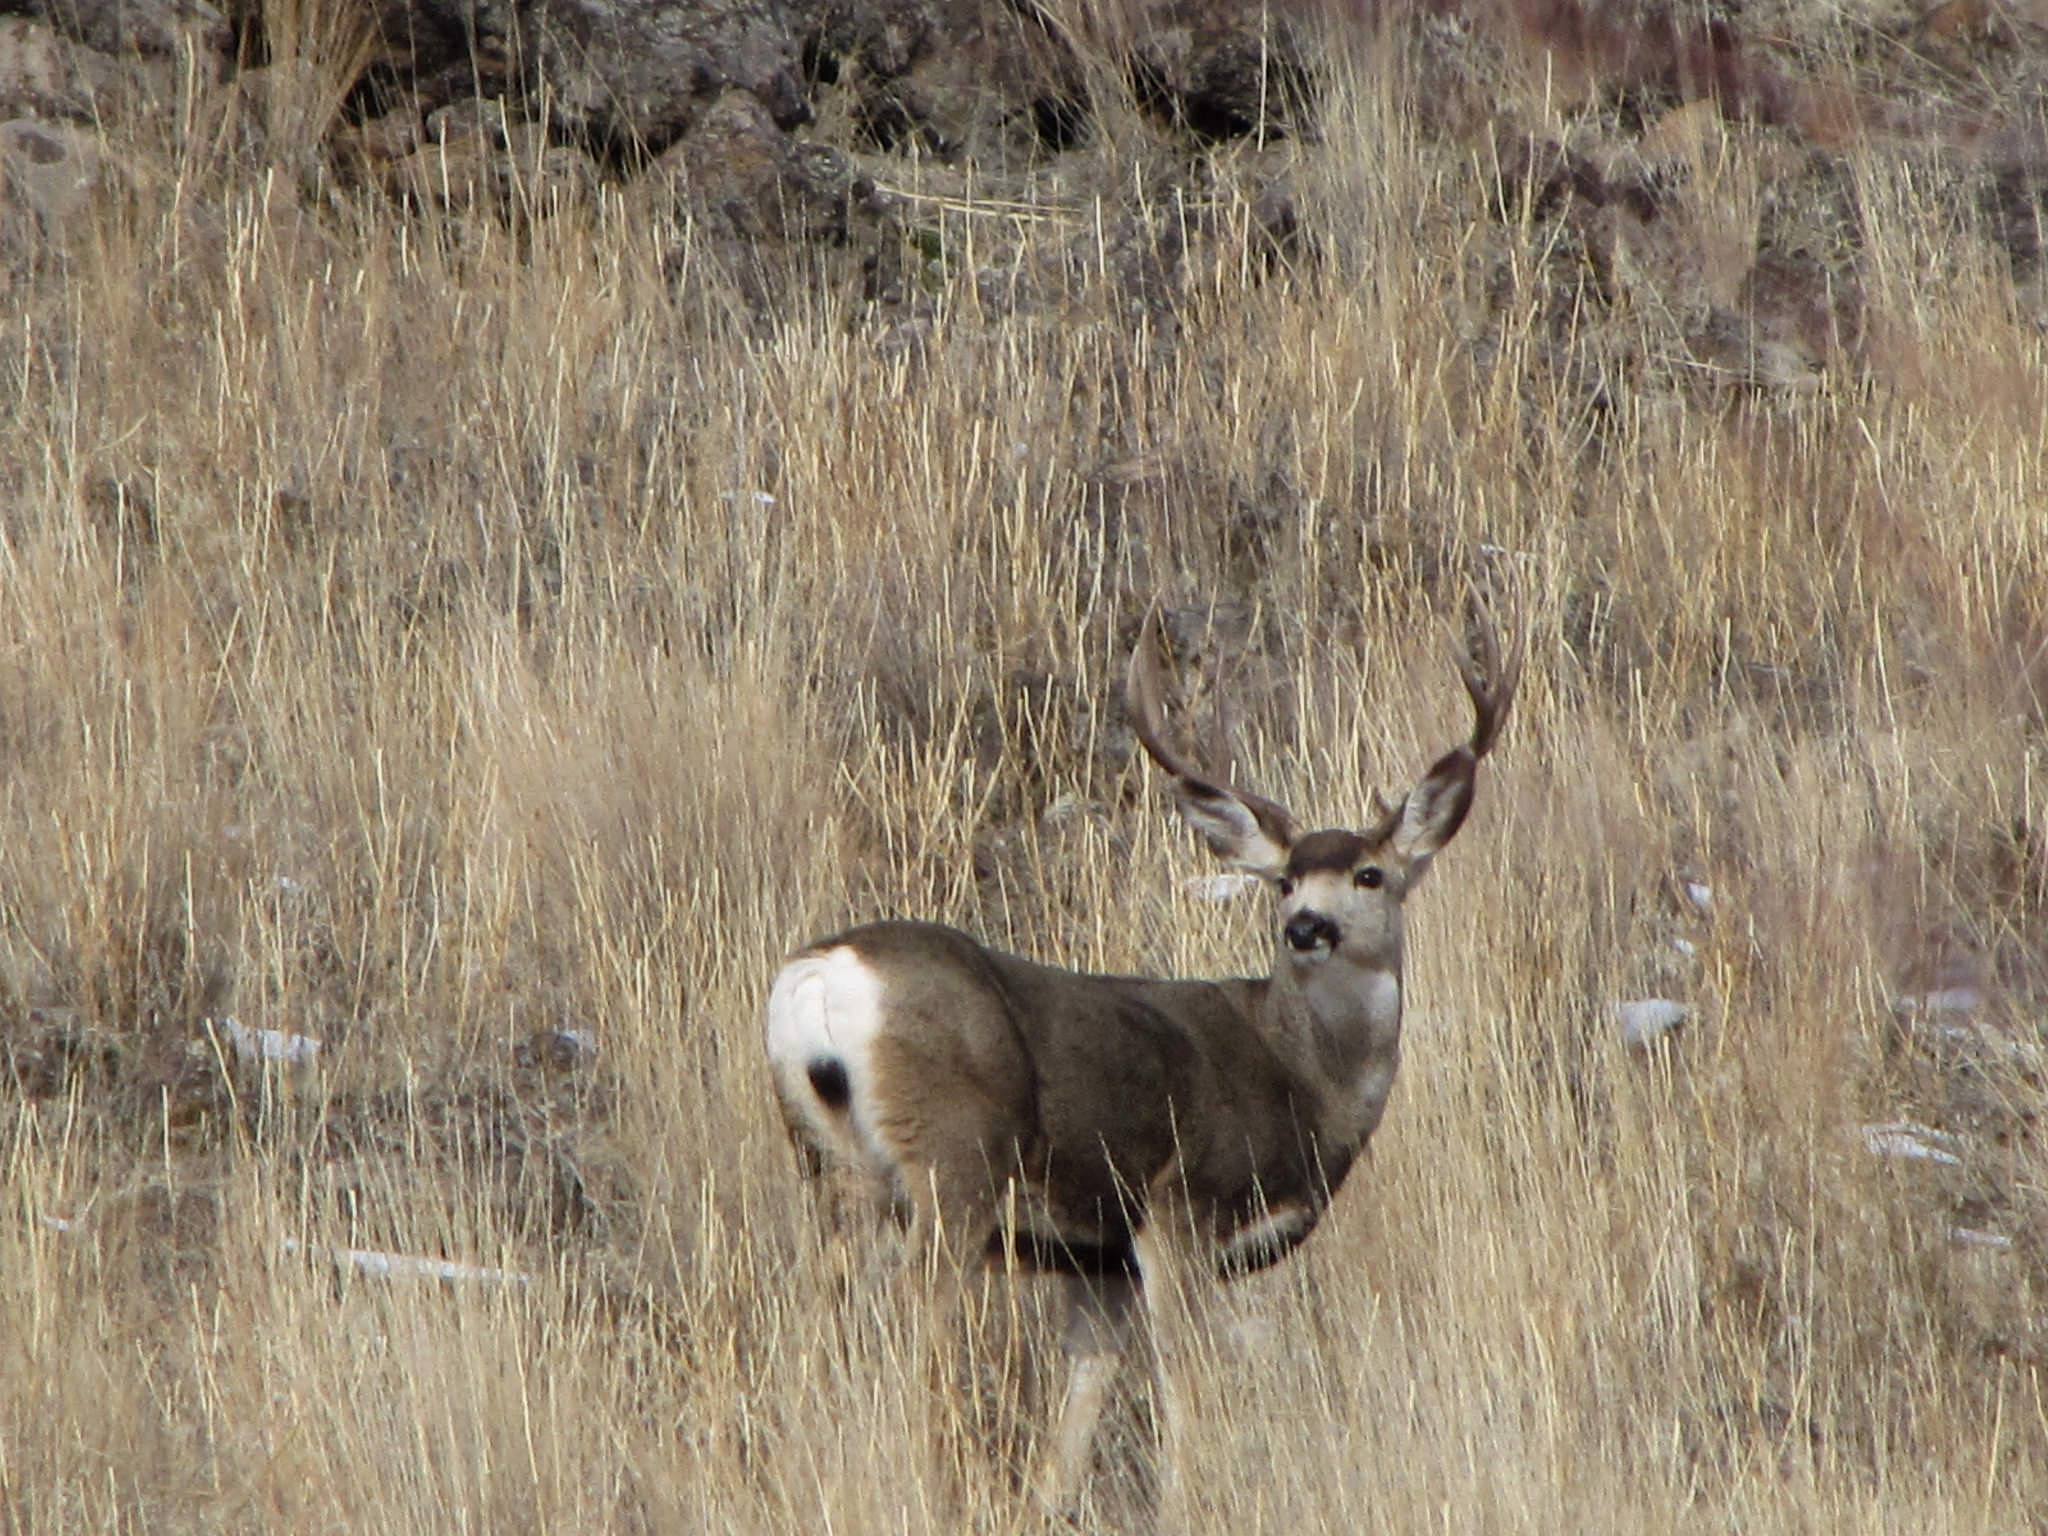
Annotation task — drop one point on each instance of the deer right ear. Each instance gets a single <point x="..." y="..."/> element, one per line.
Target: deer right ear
<point x="1233" y="827"/>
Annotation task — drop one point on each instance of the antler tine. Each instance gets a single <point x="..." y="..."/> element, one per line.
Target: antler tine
<point x="1148" y="716"/>
<point x="1488" y="680"/>
<point x="1148" y="719"/>
<point x="1386" y="817"/>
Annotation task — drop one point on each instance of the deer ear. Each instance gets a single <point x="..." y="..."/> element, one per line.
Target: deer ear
<point x="1245" y="832"/>
<point x="1435" y="809"/>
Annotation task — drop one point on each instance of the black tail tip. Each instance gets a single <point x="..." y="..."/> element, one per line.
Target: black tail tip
<point x="830" y="1082"/>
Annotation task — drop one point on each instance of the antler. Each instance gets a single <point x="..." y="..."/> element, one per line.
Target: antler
<point x="1490" y="682"/>
<point x="1141" y="692"/>
<point x="1196" y="787"/>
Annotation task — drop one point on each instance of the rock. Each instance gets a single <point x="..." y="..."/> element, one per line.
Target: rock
<point x="1647" y="1021"/>
<point x="557" y="1050"/>
<point x="642" y="72"/>
<point x="142" y="26"/>
<point x="742" y="179"/>
<point x="1221" y="71"/>
<point x="1913" y="1143"/>
<point x="45" y="73"/>
<point x="272" y="1047"/>
<point x="522" y="176"/>
<point x="48" y="167"/>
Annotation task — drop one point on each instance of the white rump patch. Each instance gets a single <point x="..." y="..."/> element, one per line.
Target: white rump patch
<point x="825" y="1007"/>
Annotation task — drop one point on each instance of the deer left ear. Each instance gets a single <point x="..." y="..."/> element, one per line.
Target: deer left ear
<point x="1435" y="809"/>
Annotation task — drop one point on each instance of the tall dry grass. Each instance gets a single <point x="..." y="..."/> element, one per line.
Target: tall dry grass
<point x="422" y="634"/>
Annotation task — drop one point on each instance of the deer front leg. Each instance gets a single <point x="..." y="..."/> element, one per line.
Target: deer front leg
<point x="1182" y="1301"/>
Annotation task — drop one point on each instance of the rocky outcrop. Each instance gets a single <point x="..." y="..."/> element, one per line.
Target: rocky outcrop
<point x="994" y="80"/>
<point x="952" y="77"/>
<point x="47" y="74"/>
<point x="922" y="139"/>
<point x="135" y="26"/>
<point x="46" y="169"/>
<point x="743" y="180"/>
<point x="1222" y="72"/>
<point x="641" y="72"/>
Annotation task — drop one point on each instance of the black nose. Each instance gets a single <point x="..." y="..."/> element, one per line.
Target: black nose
<point x="1305" y="930"/>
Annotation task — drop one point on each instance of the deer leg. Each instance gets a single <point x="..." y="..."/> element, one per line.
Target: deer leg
<point x="1179" y="1297"/>
<point x="1099" y="1314"/>
<point x="948" y="1235"/>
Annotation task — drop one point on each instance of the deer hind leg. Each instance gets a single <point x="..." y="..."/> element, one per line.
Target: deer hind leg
<point x="962" y="1377"/>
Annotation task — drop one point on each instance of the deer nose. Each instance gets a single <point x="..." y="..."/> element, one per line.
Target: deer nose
<point x="1305" y="930"/>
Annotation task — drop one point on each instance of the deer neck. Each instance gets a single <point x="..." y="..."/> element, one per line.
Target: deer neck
<point x="1338" y="1025"/>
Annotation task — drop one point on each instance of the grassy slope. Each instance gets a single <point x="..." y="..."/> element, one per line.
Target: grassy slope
<point x="395" y="635"/>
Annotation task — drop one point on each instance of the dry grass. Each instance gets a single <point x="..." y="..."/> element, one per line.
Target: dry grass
<point x="423" y="634"/>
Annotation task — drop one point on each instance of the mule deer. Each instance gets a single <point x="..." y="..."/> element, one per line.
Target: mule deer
<point x="1115" y="1129"/>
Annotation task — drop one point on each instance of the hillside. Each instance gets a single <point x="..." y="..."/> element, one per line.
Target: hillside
<point x="509" y="526"/>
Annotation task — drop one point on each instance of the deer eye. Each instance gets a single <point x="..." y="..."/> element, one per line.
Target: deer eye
<point x="1284" y="886"/>
<point x="1370" y="878"/>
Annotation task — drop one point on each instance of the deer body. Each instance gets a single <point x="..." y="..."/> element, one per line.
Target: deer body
<point x="913" y="1051"/>
<point x="1106" y="1127"/>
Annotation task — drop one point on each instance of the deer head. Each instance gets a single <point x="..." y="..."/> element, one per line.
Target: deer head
<point x="1340" y="889"/>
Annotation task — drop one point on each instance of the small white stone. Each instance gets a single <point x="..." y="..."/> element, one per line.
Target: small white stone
<point x="1973" y="1237"/>
<point x="1700" y="895"/>
<point x="1502" y="552"/>
<point x="1942" y="1002"/>
<point x="270" y="1045"/>
<point x="379" y="1265"/>
<point x="1647" y="1020"/>
<point x="1915" y="1143"/>
<point x="1220" y="889"/>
